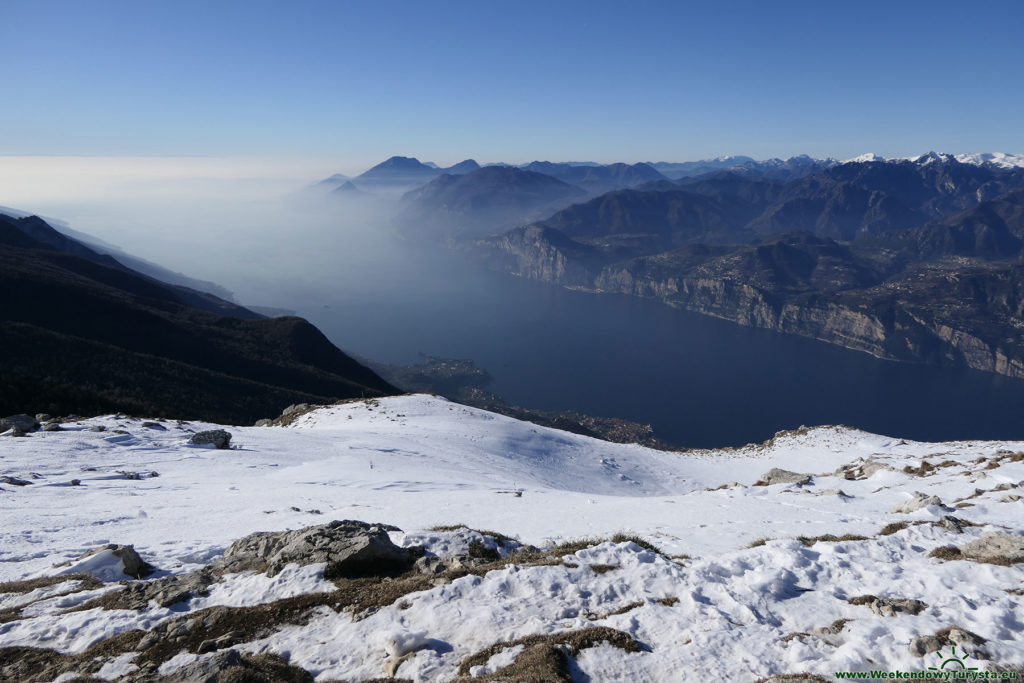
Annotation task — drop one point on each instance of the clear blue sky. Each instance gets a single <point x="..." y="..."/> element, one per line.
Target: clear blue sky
<point x="510" y="81"/>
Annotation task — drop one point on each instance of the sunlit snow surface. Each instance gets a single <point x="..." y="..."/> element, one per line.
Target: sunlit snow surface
<point x="419" y="461"/>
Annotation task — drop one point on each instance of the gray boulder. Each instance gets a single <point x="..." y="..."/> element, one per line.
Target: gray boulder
<point x="920" y="500"/>
<point x="890" y="607"/>
<point x="296" y="408"/>
<point x="52" y="427"/>
<point x="350" y="548"/>
<point x="165" y="591"/>
<point x="218" y="437"/>
<point x="25" y="423"/>
<point x="777" y="476"/>
<point x="134" y="566"/>
<point x="997" y="547"/>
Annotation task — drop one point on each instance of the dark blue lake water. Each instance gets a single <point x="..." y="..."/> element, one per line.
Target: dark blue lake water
<point x="700" y="382"/>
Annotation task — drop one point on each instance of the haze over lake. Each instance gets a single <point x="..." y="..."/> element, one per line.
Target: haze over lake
<point x="699" y="381"/>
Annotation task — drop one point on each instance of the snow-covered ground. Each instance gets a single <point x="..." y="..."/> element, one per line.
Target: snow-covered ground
<point x="725" y="610"/>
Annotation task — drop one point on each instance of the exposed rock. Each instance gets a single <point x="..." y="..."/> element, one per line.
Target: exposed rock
<point x="17" y="431"/>
<point x="890" y="607"/>
<point x="132" y="565"/>
<point x="296" y="408"/>
<point x="777" y="476"/>
<point x="14" y="481"/>
<point x="231" y="665"/>
<point x="265" y="422"/>
<point x="349" y="547"/>
<point x="861" y="470"/>
<point x="52" y="427"/>
<point x="836" y="492"/>
<point x="954" y="524"/>
<point x="165" y="591"/>
<point x="24" y="422"/>
<point x="960" y="636"/>
<point x="998" y="547"/>
<point x="43" y="417"/>
<point x="919" y="500"/>
<point x="218" y="437"/>
<point x="97" y="428"/>
<point x="439" y="565"/>
<point x="154" y="425"/>
<point x="924" y="645"/>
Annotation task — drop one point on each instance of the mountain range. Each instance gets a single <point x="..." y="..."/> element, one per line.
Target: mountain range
<point x="909" y="259"/>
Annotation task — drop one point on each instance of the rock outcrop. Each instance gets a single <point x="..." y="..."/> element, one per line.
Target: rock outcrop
<point x="918" y="501"/>
<point x="350" y="548"/>
<point x="218" y="438"/>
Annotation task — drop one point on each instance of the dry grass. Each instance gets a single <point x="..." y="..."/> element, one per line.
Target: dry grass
<point x="925" y="468"/>
<point x="830" y="538"/>
<point x="545" y="658"/>
<point x="757" y="543"/>
<point x="947" y="552"/>
<point x="89" y="582"/>
<point x="27" y="664"/>
<point x="892" y="527"/>
<point x="629" y="607"/>
<point x="622" y="537"/>
<point x="602" y="568"/>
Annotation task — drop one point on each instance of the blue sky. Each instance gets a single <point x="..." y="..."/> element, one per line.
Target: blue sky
<point x="360" y="81"/>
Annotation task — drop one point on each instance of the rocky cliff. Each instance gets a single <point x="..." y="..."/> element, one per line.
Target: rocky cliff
<point x="916" y="316"/>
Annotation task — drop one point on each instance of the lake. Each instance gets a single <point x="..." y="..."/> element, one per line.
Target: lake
<point x="699" y="381"/>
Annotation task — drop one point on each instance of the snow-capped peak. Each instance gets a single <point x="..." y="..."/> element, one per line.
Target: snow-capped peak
<point x="865" y="158"/>
<point x="998" y="159"/>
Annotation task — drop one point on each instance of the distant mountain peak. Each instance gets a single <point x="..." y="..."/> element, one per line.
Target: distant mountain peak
<point x="866" y="158"/>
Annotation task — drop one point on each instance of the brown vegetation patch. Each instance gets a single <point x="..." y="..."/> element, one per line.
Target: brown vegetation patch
<point x="31" y="664"/>
<point x="947" y="552"/>
<point x="892" y="527"/>
<point x="622" y="610"/>
<point x="546" y="657"/>
<point x="632" y="538"/>
<point x="830" y="538"/>
<point x="757" y="543"/>
<point x="89" y="582"/>
<point x="924" y="469"/>
<point x="668" y="602"/>
<point x="602" y="568"/>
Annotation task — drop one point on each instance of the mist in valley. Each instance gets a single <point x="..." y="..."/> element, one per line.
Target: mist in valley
<point x="382" y="286"/>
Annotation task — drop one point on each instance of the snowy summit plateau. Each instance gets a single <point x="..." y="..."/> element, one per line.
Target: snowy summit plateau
<point x="418" y="539"/>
